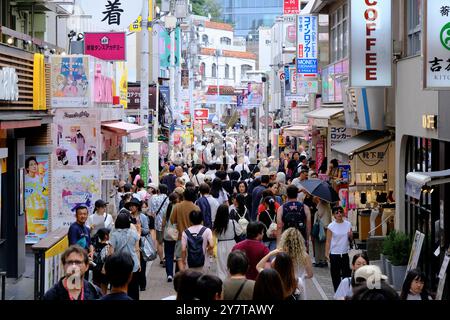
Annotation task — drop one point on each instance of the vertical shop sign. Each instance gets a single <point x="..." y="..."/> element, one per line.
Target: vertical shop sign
<point x="307" y="45"/>
<point x="291" y="7"/>
<point x="436" y="61"/>
<point x="371" y="43"/>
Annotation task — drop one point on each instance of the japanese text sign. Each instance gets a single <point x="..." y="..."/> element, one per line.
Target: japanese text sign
<point x="307" y="45"/>
<point x="291" y="7"/>
<point x="437" y="44"/>
<point x="371" y="43"/>
<point x="201" y="114"/>
<point x="111" y="15"/>
<point x="107" y="46"/>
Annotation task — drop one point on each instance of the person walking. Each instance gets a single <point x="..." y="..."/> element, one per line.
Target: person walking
<point x="125" y="238"/>
<point x="339" y="235"/>
<point x="119" y="272"/>
<point x="293" y="244"/>
<point x="158" y="209"/>
<point x="268" y="286"/>
<point x="207" y="204"/>
<point x="269" y="218"/>
<point x="237" y="286"/>
<point x="226" y="230"/>
<point x="415" y="286"/>
<point x="253" y="247"/>
<point x="79" y="233"/>
<point x="218" y="192"/>
<point x="180" y="217"/>
<point x="322" y="216"/>
<point x="99" y="218"/>
<point x="169" y="179"/>
<point x="345" y="289"/>
<point x="257" y="196"/>
<point x="73" y="286"/>
<point x="169" y="242"/>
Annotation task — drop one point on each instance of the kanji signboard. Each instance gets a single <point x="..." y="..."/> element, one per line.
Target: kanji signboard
<point x="307" y="45"/>
<point x="201" y="114"/>
<point x="291" y="7"/>
<point x="437" y="44"/>
<point x="108" y="46"/>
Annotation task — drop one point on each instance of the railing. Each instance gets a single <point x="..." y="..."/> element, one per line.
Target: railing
<point x="47" y="265"/>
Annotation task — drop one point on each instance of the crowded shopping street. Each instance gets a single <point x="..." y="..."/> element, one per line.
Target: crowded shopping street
<point x="202" y="150"/>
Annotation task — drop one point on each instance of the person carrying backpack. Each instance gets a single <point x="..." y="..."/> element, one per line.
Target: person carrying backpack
<point x="208" y="205"/>
<point x="196" y="243"/>
<point x="101" y="248"/>
<point x="294" y="214"/>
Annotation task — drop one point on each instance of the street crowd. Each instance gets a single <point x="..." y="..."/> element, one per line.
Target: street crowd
<point x="232" y="232"/>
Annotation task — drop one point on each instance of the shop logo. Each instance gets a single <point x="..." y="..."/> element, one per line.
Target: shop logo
<point x="445" y="36"/>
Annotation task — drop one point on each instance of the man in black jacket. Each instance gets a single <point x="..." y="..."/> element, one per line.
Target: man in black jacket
<point x="73" y="286"/>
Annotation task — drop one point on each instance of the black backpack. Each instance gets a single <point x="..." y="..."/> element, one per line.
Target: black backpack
<point x="294" y="216"/>
<point x="195" y="254"/>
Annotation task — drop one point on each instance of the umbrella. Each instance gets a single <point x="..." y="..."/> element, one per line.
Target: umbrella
<point x="321" y="189"/>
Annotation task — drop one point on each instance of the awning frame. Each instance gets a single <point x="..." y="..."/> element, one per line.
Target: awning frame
<point x="363" y="148"/>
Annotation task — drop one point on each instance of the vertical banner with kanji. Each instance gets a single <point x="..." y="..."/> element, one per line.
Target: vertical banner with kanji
<point x="307" y="45"/>
<point x="436" y="44"/>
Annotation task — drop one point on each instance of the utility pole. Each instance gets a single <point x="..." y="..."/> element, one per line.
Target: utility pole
<point x="265" y="80"/>
<point x="144" y="81"/>
<point x="218" y="109"/>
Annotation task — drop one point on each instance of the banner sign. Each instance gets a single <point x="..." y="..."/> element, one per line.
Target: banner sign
<point x="436" y="44"/>
<point x="108" y="46"/>
<point x="307" y="45"/>
<point x="371" y="43"/>
<point x="308" y="86"/>
<point x="201" y="114"/>
<point x="291" y="7"/>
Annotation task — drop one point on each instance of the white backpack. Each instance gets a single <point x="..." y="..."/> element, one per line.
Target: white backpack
<point x="271" y="231"/>
<point x="242" y="221"/>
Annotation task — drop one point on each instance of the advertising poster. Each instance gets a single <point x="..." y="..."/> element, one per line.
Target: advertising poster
<point x="77" y="138"/>
<point x="308" y="45"/>
<point x="72" y="188"/>
<point x="415" y="251"/>
<point x="53" y="268"/>
<point x="36" y="198"/>
<point x="70" y="82"/>
<point x="254" y="96"/>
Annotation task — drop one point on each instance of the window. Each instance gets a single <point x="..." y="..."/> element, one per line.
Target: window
<point x="205" y="39"/>
<point x="203" y="70"/>
<point x="339" y="33"/>
<point x="234" y="73"/>
<point x="227" y="71"/>
<point x="214" y="70"/>
<point x="225" y="40"/>
<point x="244" y="69"/>
<point x="414" y="22"/>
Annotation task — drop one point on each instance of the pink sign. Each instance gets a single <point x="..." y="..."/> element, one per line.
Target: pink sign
<point x="108" y="46"/>
<point x="320" y="152"/>
<point x="291" y="7"/>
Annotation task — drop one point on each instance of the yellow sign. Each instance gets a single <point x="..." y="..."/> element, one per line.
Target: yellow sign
<point x="136" y="26"/>
<point x="281" y="141"/>
<point x="39" y="98"/>
<point x="123" y="85"/>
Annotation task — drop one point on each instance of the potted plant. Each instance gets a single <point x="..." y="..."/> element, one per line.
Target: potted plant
<point x="399" y="257"/>
<point x="386" y="253"/>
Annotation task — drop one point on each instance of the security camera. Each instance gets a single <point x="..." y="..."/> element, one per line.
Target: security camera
<point x="418" y="177"/>
<point x="263" y="79"/>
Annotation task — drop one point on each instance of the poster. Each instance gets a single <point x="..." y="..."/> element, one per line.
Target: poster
<point x="70" y="82"/>
<point x="54" y="270"/>
<point x="77" y="138"/>
<point x="72" y="188"/>
<point x="36" y="198"/>
<point x="415" y="251"/>
<point x="254" y="96"/>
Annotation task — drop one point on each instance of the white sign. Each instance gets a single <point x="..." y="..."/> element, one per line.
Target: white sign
<point x="9" y="84"/>
<point x="340" y="134"/>
<point x="110" y="15"/>
<point x="307" y="45"/>
<point x="371" y="43"/>
<point x="416" y="248"/>
<point x="308" y="87"/>
<point x="437" y="44"/>
<point x="110" y="171"/>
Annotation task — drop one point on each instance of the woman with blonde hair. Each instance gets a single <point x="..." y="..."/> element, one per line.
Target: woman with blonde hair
<point x="293" y="244"/>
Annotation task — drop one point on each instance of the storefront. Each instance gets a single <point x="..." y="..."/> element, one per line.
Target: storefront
<point x="369" y="198"/>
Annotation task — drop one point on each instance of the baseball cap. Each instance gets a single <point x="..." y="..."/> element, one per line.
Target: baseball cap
<point x="172" y="167"/>
<point x="153" y="186"/>
<point x="365" y="273"/>
<point x="100" y="203"/>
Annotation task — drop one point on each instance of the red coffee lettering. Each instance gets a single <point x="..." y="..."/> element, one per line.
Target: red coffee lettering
<point x="370" y="42"/>
<point x="371" y="73"/>
<point x="371" y="2"/>
<point x="371" y="14"/>
<point x="370" y="27"/>
<point x="371" y="59"/>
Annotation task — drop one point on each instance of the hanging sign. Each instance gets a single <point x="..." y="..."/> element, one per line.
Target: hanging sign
<point x="307" y="45"/>
<point x="371" y="43"/>
<point x="108" y="46"/>
<point x="436" y="44"/>
<point x="291" y="7"/>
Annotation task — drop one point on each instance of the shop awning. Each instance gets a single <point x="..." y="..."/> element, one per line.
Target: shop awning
<point x="133" y="131"/>
<point x="19" y="120"/>
<point x="359" y="143"/>
<point x="324" y="113"/>
<point x="300" y="131"/>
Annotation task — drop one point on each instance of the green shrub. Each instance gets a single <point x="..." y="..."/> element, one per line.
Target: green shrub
<point x="387" y="244"/>
<point x="401" y="247"/>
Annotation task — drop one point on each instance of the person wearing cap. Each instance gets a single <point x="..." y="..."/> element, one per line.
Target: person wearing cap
<point x="169" y="179"/>
<point x="100" y="218"/>
<point x="140" y="221"/>
<point x="339" y="235"/>
<point x="371" y="284"/>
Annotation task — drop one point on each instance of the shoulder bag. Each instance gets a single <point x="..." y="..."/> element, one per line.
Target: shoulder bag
<point x="148" y="248"/>
<point x="239" y="290"/>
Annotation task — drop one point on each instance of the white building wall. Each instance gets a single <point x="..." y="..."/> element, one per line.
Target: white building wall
<point x="232" y="62"/>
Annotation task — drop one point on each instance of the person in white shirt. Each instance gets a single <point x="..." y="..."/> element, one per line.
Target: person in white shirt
<point x="339" y="235"/>
<point x="99" y="219"/>
<point x="198" y="176"/>
<point x="181" y="174"/>
<point x="345" y="289"/>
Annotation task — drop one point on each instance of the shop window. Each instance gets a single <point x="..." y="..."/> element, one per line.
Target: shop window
<point x="414" y="26"/>
<point x="225" y="40"/>
<point x="227" y="71"/>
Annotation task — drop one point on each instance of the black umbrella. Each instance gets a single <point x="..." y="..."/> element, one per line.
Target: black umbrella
<point x="320" y="189"/>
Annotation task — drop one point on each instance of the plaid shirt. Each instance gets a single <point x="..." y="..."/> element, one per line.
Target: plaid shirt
<point x="155" y="203"/>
